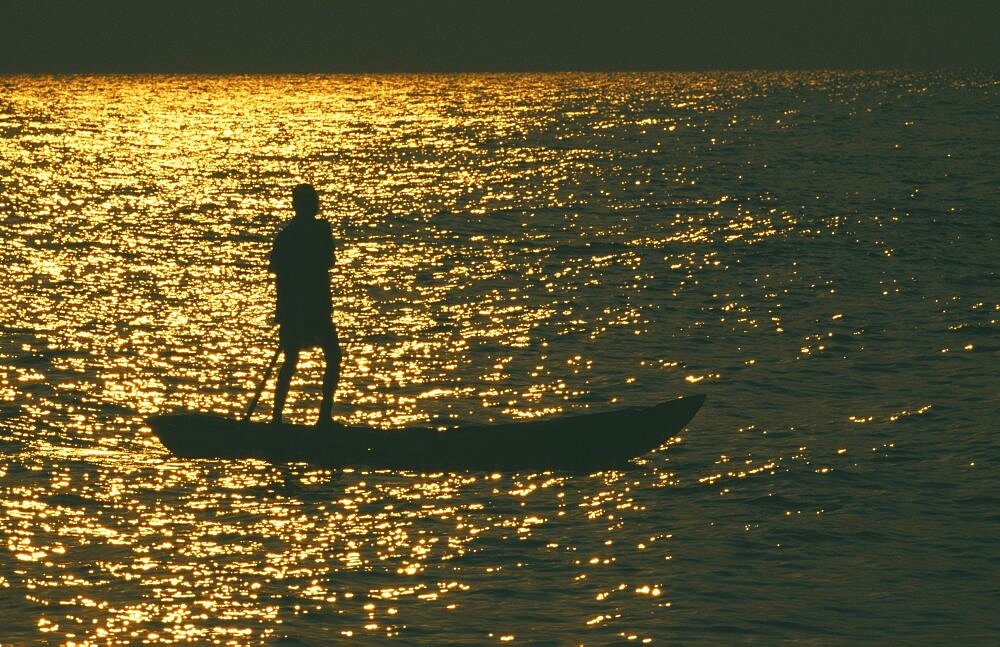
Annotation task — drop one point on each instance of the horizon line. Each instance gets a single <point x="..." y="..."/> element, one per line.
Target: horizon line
<point x="511" y="72"/>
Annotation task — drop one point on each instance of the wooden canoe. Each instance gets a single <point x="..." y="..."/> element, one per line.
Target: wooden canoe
<point x="582" y="443"/>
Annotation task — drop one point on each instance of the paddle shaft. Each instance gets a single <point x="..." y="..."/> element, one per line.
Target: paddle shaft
<point x="260" y="387"/>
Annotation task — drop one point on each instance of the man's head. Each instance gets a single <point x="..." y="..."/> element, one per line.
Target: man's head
<point x="305" y="201"/>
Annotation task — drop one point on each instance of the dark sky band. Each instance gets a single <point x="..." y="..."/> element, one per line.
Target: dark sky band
<point x="234" y="36"/>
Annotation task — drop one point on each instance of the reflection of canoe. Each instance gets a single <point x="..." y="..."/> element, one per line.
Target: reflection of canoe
<point x="576" y="443"/>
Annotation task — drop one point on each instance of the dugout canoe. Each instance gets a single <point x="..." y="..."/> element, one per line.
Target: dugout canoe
<point x="581" y="443"/>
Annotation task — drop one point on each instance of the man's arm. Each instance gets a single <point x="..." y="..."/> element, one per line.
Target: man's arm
<point x="277" y="259"/>
<point x="272" y="259"/>
<point x="330" y="253"/>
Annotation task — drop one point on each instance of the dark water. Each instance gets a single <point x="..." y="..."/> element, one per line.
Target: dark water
<point x="815" y="252"/>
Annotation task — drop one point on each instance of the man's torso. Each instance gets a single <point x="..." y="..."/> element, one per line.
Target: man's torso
<point x="301" y="258"/>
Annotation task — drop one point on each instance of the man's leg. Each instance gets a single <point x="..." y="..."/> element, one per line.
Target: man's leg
<point x="333" y="356"/>
<point x="284" y="380"/>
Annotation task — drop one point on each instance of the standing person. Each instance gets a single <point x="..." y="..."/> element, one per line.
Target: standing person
<point x="301" y="259"/>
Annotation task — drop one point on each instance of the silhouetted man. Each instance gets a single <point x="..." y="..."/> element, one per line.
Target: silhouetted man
<point x="300" y="259"/>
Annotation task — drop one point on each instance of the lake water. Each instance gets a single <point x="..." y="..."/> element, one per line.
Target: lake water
<point x="816" y="252"/>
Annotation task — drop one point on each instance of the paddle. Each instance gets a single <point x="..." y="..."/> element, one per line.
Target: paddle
<point x="260" y="387"/>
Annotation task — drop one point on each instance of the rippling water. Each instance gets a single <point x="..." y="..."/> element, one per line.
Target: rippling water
<point x="816" y="252"/>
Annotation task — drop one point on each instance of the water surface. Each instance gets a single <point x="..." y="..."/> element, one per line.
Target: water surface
<point x="816" y="252"/>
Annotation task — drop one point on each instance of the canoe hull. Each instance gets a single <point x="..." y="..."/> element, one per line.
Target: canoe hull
<point x="576" y="443"/>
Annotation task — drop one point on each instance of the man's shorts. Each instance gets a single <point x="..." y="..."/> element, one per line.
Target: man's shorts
<point x="298" y="335"/>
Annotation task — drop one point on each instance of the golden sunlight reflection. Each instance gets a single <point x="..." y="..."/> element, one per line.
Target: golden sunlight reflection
<point x="510" y="248"/>
<point x="271" y="547"/>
